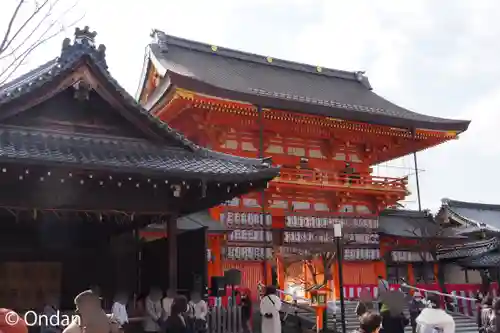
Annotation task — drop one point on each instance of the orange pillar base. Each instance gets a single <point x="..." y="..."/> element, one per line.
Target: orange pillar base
<point x="319" y="318"/>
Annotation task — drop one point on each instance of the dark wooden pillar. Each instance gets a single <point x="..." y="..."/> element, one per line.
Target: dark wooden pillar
<point x="171" y="226"/>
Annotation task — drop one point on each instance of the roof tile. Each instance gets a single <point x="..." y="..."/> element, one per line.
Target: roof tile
<point x="341" y="94"/>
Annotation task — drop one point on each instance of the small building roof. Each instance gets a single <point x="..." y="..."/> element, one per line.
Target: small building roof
<point x="281" y="84"/>
<point x="408" y="223"/>
<point x="192" y="222"/>
<point x="162" y="150"/>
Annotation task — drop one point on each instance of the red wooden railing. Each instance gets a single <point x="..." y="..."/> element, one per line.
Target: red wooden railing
<point x="340" y="179"/>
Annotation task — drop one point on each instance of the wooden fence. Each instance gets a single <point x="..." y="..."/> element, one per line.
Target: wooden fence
<point x="225" y="319"/>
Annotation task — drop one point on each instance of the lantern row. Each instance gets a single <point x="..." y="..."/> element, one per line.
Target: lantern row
<point x="255" y="253"/>
<point x="319" y="236"/>
<point x="236" y="219"/>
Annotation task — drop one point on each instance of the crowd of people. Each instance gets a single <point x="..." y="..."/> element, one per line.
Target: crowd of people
<point x="426" y="316"/>
<point x="158" y="314"/>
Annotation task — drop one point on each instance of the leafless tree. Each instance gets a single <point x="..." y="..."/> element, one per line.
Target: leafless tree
<point x="430" y="235"/>
<point x="325" y="254"/>
<point x="30" y="24"/>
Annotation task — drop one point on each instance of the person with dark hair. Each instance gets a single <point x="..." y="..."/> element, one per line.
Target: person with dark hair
<point x="393" y="321"/>
<point x="382" y="286"/>
<point x="176" y="323"/>
<point x="270" y="306"/>
<point x="434" y="319"/>
<point x="246" y="312"/>
<point x="369" y="322"/>
<point x="485" y="312"/>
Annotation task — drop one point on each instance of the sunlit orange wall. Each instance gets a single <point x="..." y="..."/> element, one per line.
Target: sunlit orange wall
<point x="360" y="272"/>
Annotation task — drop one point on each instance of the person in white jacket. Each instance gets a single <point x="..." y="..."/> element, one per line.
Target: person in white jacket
<point x="198" y="311"/>
<point x="434" y="319"/>
<point x="167" y="303"/>
<point x="270" y="305"/>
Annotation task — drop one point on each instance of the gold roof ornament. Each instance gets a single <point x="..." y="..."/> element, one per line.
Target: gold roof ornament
<point x="214" y="48"/>
<point x="269" y="59"/>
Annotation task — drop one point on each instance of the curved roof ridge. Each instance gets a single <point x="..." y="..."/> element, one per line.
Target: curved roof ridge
<point x="283" y="85"/>
<point x="163" y="40"/>
<point x="467" y="204"/>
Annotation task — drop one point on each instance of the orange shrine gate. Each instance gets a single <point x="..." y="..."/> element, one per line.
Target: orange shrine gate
<point x="326" y="128"/>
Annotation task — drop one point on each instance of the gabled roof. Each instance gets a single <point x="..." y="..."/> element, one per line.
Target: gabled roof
<point x="473" y="216"/>
<point x="170" y="152"/>
<point x="280" y="84"/>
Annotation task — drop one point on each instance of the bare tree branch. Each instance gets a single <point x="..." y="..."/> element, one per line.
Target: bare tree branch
<point x="9" y="26"/>
<point x="37" y="10"/>
<point x="25" y="40"/>
<point x="31" y="25"/>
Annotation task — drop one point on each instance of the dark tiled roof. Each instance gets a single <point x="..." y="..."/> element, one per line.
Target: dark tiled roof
<point x="285" y="85"/>
<point x="488" y="260"/>
<point x="192" y="222"/>
<point x="408" y="223"/>
<point x="478" y="215"/>
<point x="97" y="151"/>
<point x="125" y="154"/>
<point x="470" y="249"/>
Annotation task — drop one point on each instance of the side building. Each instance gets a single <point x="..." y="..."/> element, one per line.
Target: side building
<point x="326" y="128"/>
<point x="82" y="164"/>
<point x="479" y="257"/>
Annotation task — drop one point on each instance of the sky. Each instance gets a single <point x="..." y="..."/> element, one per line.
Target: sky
<point x="440" y="58"/>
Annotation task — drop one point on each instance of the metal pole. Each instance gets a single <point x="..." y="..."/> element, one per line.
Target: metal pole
<point x="416" y="175"/>
<point x="417" y="181"/>
<point x="340" y="256"/>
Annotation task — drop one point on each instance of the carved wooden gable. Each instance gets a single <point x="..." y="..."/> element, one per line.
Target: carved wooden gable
<point x="74" y="110"/>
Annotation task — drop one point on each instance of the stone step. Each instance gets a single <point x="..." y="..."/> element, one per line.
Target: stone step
<point x="463" y="324"/>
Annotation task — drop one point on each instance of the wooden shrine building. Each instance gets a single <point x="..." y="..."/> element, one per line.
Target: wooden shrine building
<point x="81" y="163"/>
<point x="480" y="253"/>
<point x="326" y="128"/>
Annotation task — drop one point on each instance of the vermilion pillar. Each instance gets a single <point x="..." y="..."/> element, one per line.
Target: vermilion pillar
<point x="280" y="270"/>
